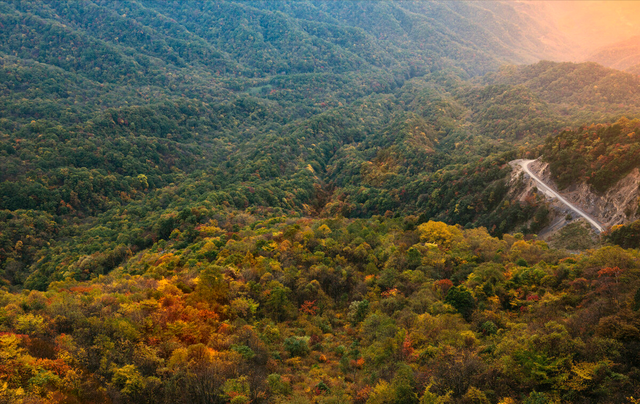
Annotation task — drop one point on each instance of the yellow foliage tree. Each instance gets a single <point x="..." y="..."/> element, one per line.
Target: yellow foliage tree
<point x="440" y="233"/>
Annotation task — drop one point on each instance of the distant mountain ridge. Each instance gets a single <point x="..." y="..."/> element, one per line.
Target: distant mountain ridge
<point x="624" y="55"/>
<point x="249" y="38"/>
<point x="586" y="91"/>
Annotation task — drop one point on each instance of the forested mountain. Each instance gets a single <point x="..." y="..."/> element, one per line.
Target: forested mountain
<point x="583" y="93"/>
<point x="288" y="105"/>
<point x="111" y="108"/>
<point x="207" y="200"/>
<point x="264" y="38"/>
<point x="600" y="155"/>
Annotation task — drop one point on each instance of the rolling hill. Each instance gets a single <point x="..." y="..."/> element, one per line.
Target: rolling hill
<point x="303" y="201"/>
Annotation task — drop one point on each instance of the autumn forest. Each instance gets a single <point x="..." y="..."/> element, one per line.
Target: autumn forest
<point x="310" y="202"/>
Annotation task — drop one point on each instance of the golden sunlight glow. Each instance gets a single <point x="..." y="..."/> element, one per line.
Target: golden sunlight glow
<point x="591" y="24"/>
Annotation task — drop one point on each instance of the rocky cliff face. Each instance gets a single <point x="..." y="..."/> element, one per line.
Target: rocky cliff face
<point x="619" y="205"/>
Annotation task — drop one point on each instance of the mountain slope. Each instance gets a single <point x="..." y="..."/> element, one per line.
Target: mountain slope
<point x="120" y="119"/>
<point x="621" y="55"/>
<point x="582" y="92"/>
<point x="113" y="107"/>
<point x="244" y="201"/>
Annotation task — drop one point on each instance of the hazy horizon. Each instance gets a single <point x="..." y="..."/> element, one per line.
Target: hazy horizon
<point x="594" y="24"/>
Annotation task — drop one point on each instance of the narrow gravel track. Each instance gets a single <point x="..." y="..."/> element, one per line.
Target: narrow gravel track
<point x="549" y="191"/>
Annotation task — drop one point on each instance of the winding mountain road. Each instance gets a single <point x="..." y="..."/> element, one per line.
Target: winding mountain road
<point x="550" y="192"/>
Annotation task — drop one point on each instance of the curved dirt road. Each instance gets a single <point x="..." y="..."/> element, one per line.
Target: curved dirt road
<point x="548" y="191"/>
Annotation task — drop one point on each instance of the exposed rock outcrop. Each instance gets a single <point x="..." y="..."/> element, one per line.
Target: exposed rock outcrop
<point x="619" y="205"/>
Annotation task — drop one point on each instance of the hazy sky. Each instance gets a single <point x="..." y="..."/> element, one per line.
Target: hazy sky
<point x="592" y="24"/>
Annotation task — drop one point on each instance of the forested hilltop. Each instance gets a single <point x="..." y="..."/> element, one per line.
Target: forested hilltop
<point x="246" y="202"/>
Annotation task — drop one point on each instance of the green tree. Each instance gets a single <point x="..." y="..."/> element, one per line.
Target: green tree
<point x="462" y="300"/>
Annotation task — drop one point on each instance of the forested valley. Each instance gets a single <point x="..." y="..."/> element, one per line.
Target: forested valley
<point x="306" y="202"/>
